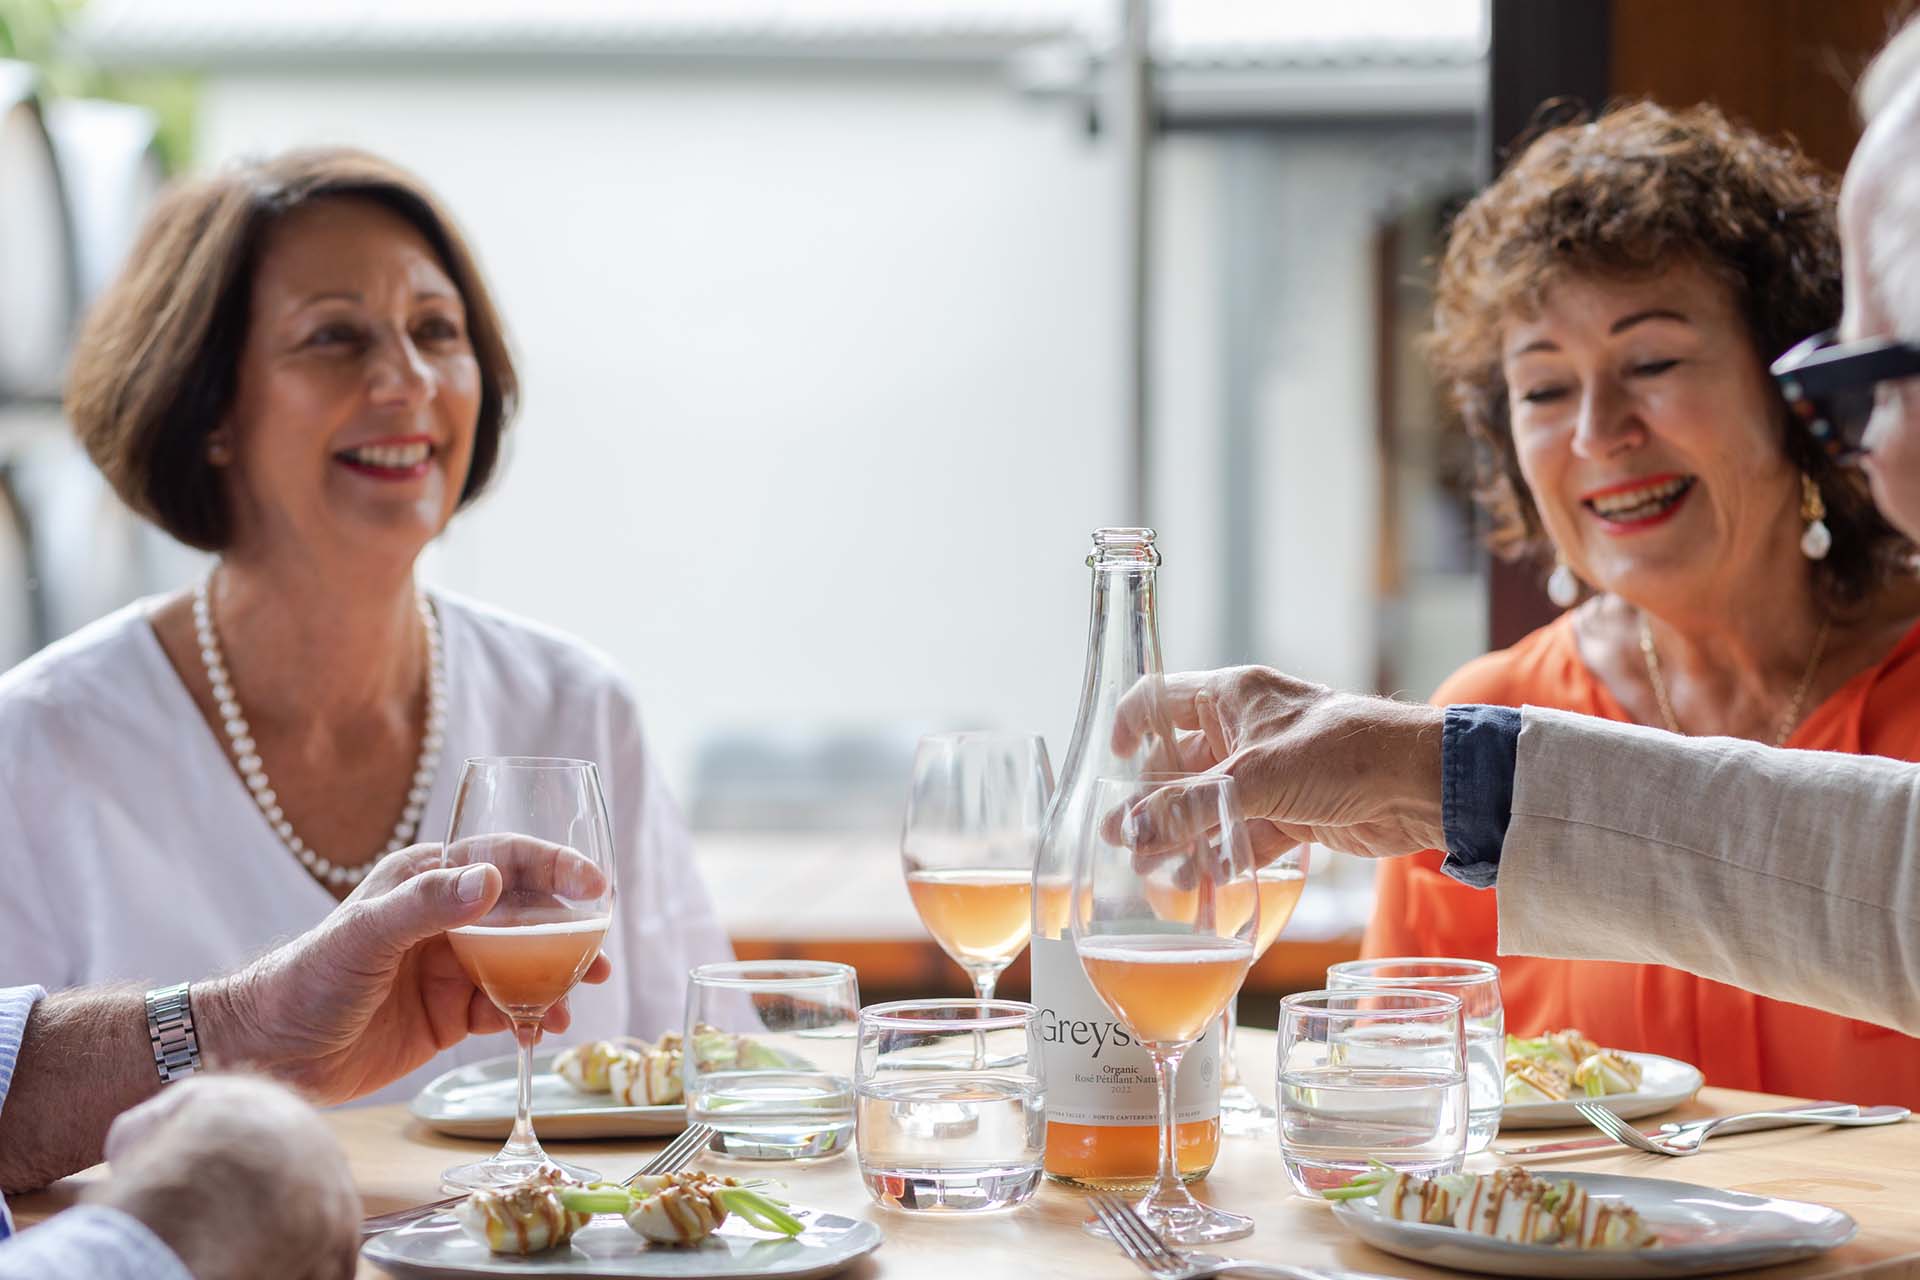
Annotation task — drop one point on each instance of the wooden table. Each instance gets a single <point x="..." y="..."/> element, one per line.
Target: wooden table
<point x="1873" y="1174"/>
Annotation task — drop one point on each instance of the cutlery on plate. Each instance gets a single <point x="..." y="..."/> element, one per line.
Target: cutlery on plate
<point x="675" y="1156"/>
<point x="1687" y="1141"/>
<point x="1152" y="1254"/>
<point x="1667" y="1131"/>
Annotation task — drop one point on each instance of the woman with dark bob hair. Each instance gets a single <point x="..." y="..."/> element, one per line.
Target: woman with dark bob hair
<point x="301" y="371"/>
<point x="1605" y="316"/>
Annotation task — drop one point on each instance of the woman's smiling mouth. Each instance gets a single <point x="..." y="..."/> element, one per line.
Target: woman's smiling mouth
<point x="1639" y="504"/>
<point x="400" y="459"/>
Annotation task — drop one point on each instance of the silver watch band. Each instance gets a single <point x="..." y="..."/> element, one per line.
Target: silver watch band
<point x="176" y="1049"/>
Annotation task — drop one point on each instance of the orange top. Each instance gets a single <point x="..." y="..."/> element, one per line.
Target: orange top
<point x="1740" y="1040"/>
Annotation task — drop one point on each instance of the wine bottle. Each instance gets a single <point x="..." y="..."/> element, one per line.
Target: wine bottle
<point x="1101" y="1104"/>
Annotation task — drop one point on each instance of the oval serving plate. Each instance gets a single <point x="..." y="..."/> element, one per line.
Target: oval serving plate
<point x="1704" y="1231"/>
<point x="477" y="1100"/>
<point x="607" y="1249"/>
<point x="1665" y="1083"/>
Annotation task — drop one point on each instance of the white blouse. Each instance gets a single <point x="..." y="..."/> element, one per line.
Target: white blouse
<point x="131" y="850"/>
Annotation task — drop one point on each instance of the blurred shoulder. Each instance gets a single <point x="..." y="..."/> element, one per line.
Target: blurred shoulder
<point x="104" y="665"/>
<point x="530" y="659"/>
<point x="1543" y="667"/>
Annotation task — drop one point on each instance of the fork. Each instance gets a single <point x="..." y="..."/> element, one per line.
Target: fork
<point x="675" y="1156"/>
<point x="1144" y="1245"/>
<point x="1687" y="1141"/>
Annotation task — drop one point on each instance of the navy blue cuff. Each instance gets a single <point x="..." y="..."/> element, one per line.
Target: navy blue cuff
<point x="1479" y="747"/>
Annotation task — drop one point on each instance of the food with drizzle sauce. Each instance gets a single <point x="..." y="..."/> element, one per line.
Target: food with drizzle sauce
<point x="668" y="1209"/>
<point x="642" y="1074"/>
<point x="1511" y="1204"/>
<point x="1553" y="1067"/>
<point x="531" y="1217"/>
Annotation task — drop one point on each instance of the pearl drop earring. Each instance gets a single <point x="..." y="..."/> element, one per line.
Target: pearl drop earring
<point x="1818" y="539"/>
<point x="1563" y="588"/>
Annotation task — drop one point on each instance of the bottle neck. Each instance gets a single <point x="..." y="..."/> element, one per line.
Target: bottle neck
<point x="1123" y="645"/>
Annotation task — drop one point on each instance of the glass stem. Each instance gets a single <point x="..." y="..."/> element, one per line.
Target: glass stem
<point x="522" y="1145"/>
<point x="983" y="984"/>
<point x="1166" y="1068"/>
<point x="1229" y="1062"/>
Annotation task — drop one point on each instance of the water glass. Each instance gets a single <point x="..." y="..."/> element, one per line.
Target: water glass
<point x="1367" y="1075"/>
<point x="767" y="1054"/>
<point x="950" y="1104"/>
<point x="1477" y="983"/>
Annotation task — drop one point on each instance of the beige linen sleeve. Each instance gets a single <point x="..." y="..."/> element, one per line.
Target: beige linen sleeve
<point x="1794" y="874"/>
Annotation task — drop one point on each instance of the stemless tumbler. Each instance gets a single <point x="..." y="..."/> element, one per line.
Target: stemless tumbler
<point x="1370" y="1075"/>
<point x="768" y="1056"/>
<point x="1477" y="983"/>
<point x="951" y="1104"/>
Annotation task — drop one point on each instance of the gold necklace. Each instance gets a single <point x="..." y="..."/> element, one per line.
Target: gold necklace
<point x="1789" y="721"/>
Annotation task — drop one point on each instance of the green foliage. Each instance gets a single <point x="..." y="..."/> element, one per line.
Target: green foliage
<point x="33" y="31"/>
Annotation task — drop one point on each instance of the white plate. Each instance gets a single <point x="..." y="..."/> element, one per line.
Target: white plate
<point x="1665" y="1083"/>
<point x="607" y="1247"/>
<point x="477" y="1100"/>
<point x="1705" y="1230"/>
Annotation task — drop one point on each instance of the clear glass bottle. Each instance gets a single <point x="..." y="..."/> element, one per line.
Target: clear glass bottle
<point x="1101" y="1102"/>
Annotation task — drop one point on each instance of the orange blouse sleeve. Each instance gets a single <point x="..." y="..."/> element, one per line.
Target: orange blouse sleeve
<point x="1419" y="910"/>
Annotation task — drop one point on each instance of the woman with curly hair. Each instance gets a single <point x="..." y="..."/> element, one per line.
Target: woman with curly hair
<point x="1604" y="319"/>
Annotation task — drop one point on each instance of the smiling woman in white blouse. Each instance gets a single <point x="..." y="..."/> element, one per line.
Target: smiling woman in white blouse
<point x="301" y="371"/>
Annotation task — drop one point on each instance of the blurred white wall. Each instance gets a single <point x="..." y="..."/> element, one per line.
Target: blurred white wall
<point x="820" y="401"/>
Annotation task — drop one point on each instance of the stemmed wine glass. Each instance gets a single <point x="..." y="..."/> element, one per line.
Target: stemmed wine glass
<point x="1165" y="910"/>
<point x="543" y="823"/>
<point x="1281" y="883"/>
<point x="972" y="828"/>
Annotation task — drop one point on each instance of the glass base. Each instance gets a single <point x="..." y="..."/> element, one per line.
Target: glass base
<point x="771" y="1140"/>
<point x="1244" y="1116"/>
<point x="1184" y="1224"/>
<point x="501" y="1171"/>
<point x="952" y="1190"/>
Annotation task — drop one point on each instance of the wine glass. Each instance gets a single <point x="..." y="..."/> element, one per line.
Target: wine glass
<point x="543" y="823"/>
<point x="1165" y="908"/>
<point x="972" y="828"/>
<point x="1281" y="882"/>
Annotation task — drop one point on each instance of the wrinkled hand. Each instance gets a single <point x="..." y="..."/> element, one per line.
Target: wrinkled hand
<point x="374" y="990"/>
<point x="1357" y="774"/>
<point x="239" y="1178"/>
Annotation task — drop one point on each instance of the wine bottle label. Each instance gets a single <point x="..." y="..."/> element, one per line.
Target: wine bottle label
<point x="1097" y="1073"/>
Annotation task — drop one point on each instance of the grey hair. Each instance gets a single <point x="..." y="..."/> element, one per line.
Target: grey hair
<point x="1896" y="66"/>
<point x="1889" y="93"/>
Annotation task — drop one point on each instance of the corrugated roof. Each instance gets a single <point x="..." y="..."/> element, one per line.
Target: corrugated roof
<point x="1228" y="34"/>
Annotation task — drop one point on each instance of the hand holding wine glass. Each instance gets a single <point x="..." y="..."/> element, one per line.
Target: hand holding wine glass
<point x="1166" y="941"/>
<point x="543" y="824"/>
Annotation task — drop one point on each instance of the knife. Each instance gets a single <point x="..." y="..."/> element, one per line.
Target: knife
<point x="1668" y="1130"/>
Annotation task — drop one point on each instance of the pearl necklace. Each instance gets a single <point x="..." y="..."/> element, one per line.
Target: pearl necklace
<point x="247" y="759"/>
<point x="1789" y="720"/>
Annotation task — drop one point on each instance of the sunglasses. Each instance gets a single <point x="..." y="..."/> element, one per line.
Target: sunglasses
<point x="1829" y="385"/>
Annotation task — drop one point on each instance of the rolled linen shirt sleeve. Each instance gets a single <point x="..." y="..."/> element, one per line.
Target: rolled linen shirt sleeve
<point x="91" y="1241"/>
<point x="15" y="1004"/>
<point x="1479" y="747"/>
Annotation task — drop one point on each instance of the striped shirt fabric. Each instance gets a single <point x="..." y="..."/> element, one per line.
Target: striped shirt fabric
<point x="15" y="1004"/>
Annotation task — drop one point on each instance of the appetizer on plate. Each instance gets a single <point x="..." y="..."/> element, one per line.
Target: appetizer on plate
<point x="643" y="1074"/>
<point x="528" y="1218"/>
<point x="1556" y="1066"/>
<point x="678" y="1209"/>
<point x="1511" y="1204"/>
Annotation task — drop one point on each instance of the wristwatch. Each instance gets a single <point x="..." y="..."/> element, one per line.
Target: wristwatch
<point x="176" y="1049"/>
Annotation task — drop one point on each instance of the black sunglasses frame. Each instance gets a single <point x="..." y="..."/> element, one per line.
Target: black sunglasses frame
<point x="1829" y="385"/>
